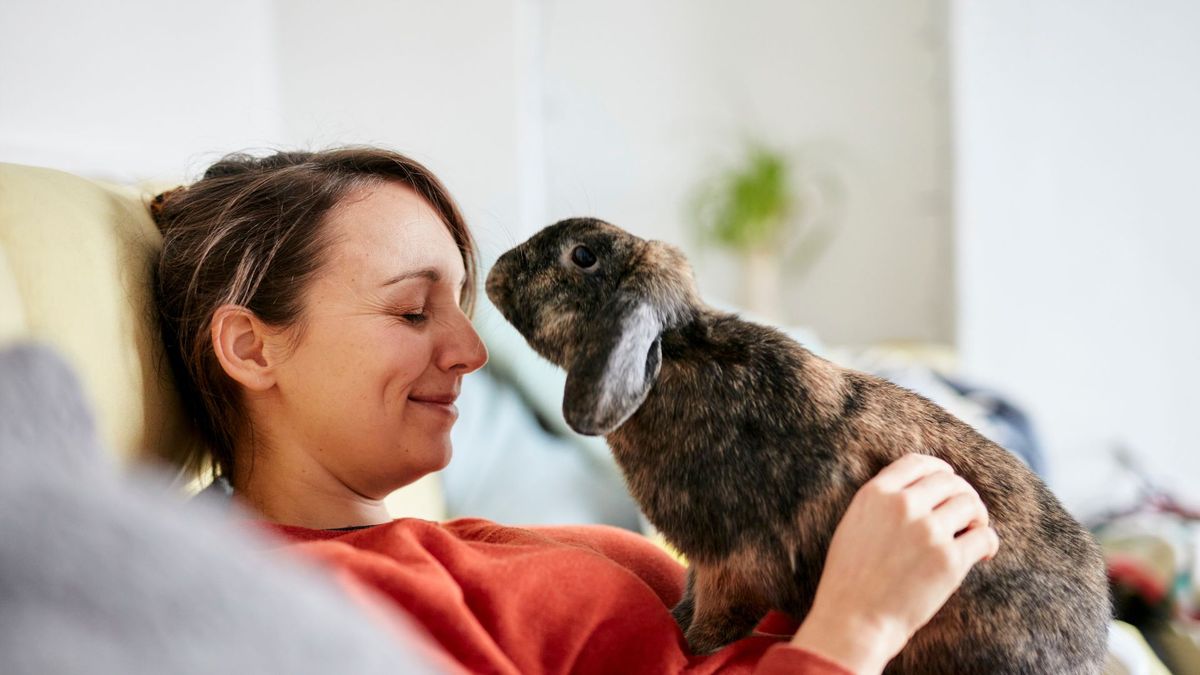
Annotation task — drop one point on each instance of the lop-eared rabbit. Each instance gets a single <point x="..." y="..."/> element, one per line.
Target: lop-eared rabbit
<point x="744" y="449"/>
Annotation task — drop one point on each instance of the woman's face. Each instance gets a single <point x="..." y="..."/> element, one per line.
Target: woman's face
<point x="369" y="387"/>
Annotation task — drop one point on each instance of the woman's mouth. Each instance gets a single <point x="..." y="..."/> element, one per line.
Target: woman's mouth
<point x="442" y="404"/>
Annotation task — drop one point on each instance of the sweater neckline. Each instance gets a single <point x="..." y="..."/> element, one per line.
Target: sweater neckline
<point x="298" y="532"/>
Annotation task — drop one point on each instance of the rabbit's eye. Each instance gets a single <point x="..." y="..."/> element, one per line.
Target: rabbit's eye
<point x="583" y="257"/>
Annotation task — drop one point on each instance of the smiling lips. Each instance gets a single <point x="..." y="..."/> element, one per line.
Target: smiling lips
<point x="441" y="403"/>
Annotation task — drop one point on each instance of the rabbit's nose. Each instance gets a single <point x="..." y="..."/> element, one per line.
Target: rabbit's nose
<point x="494" y="281"/>
<point x="496" y="285"/>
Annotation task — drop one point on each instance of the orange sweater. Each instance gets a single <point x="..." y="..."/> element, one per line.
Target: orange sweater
<point x="499" y="599"/>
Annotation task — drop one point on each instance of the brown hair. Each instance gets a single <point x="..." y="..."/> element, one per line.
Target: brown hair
<point x="250" y="233"/>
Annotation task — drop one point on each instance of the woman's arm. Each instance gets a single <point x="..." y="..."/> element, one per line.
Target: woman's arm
<point x="906" y="542"/>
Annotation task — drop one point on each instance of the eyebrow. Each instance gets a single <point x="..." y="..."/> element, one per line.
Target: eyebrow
<point x="424" y="273"/>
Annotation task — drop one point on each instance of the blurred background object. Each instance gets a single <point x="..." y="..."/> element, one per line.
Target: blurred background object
<point x="1014" y="179"/>
<point x="773" y="210"/>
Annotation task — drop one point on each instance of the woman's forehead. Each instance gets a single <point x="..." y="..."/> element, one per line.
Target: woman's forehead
<point x="387" y="229"/>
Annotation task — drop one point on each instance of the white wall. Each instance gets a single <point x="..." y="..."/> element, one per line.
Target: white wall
<point x="447" y="83"/>
<point x="530" y="110"/>
<point x="1078" y="226"/>
<point x="135" y="89"/>
<point x="643" y="98"/>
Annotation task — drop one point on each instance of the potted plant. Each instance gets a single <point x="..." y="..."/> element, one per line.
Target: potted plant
<point x="771" y="213"/>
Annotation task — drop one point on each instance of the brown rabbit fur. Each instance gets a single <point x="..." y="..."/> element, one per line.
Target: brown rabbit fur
<point x="744" y="449"/>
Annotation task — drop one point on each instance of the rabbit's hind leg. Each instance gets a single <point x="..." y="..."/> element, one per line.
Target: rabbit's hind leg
<point x="727" y="605"/>
<point x="686" y="606"/>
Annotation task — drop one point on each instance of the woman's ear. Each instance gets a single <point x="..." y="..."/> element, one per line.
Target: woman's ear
<point x="613" y="368"/>
<point x="241" y="342"/>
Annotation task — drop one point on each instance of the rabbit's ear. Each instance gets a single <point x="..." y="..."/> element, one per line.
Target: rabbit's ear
<point x="614" y="368"/>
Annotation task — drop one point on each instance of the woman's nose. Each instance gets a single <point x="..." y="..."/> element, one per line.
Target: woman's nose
<point x="465" y="351"/>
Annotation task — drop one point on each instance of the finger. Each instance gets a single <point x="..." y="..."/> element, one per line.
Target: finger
<point x="908" y="470"/>
<point x="980" y="543"/>
<point x="960" y="512"/>
<point x="931" y="491"/>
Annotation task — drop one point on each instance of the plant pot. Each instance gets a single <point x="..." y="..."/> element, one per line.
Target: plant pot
<point x="762" y="284"/>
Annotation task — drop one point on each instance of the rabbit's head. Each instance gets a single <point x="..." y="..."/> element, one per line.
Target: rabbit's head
<point x="595" y="300"/>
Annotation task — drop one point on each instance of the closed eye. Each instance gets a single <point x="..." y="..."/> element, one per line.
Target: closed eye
<point x="411" y="317"/>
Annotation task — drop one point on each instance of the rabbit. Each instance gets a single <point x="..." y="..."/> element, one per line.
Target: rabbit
<point x="744" y="449"/>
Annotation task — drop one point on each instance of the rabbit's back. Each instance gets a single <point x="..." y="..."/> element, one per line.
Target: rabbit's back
<point x="748" y="442"/>
<point x="1041" y="605"/>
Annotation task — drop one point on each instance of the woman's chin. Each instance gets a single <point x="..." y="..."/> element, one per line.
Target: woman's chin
<point x="438" y="455"/>
<point x="446" y="456"/>
<point x="411" y="462"/>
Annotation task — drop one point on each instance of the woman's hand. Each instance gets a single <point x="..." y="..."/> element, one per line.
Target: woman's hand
<point x="904" y="545"/>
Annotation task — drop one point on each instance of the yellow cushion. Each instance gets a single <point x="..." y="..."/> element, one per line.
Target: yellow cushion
<point x="75" y="264"/>
<point x="76" y="258"/>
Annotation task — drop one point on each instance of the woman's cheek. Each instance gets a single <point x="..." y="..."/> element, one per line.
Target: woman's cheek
<point x="415" y="355"/>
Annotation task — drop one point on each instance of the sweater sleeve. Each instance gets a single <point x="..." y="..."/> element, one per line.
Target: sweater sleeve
<point x="551" y="601"/>
<point x="784" y="660"/>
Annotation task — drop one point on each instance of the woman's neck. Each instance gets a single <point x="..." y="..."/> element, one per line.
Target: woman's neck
<point x="294" y="489"/>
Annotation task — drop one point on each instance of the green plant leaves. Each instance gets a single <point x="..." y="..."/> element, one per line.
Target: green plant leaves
<point x="747" y="207"/>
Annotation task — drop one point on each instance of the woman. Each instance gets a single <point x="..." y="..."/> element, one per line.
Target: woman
<point x="315" y="308"/>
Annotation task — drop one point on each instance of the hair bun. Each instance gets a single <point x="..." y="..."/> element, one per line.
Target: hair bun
<point x="159" y="203"/>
